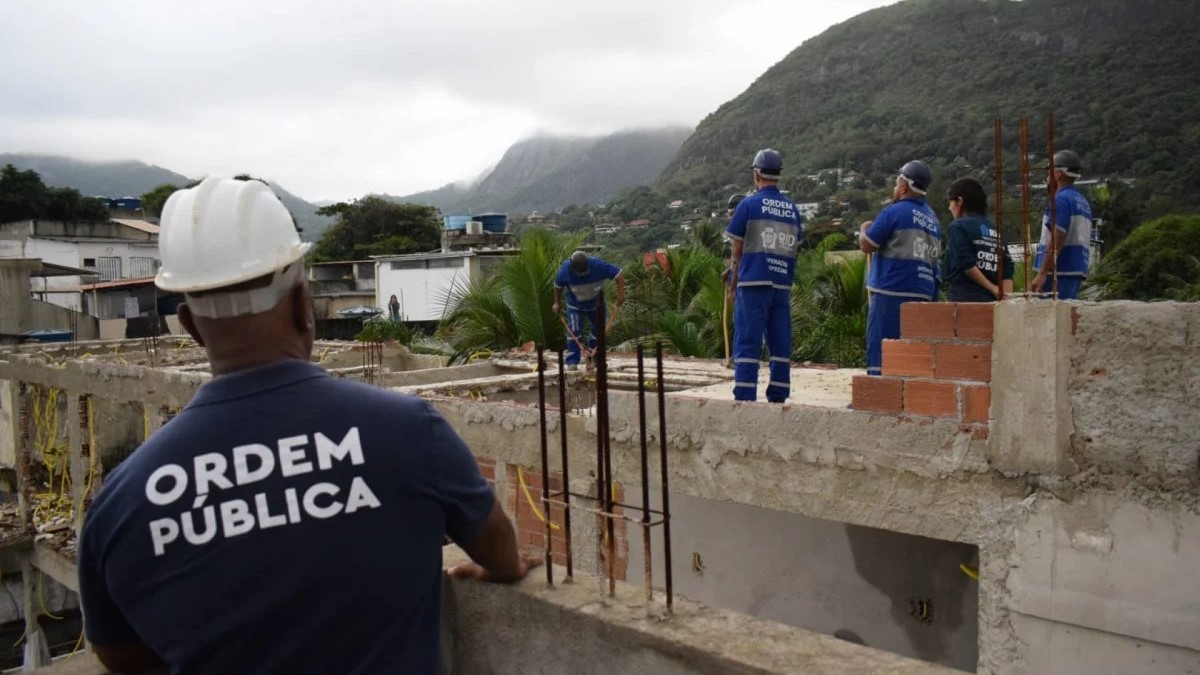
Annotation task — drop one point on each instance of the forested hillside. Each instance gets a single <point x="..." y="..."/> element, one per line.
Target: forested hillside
<point x="926" y="78"/>
<point x="550" y="172"/>
<point x="134" y="179"/>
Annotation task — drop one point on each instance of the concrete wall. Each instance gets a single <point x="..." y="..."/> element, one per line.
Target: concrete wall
<point x="47" y="315"/>
<point x="422" y="291"/>
<point x="1134" y="386"/>
<point x="820" y="575"/>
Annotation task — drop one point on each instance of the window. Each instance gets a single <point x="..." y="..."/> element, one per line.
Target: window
<point x="142" y="267"/>
<point x="109" y="268"/>
<point x="89" y="263"/>
<point x="444" y="263"/>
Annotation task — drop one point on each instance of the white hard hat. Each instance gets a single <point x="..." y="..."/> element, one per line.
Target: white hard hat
<point x="224" y="232"/>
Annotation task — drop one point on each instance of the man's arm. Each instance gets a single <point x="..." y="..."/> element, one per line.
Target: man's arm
<point x="557" y="300"/>
<point x="734" y="261"/>
<point x="1049" y="259"/>
<point x="864" y="243"/>
<point x="494" y="552"/>
<point x="115" y="642"/>
<point x="975" y="274"/>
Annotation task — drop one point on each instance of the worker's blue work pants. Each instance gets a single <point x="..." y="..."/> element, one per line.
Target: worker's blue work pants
<point x="1068" y="287"/>
<point x="758" y="310"/>
<point x="883" y="323"/>
<point x="576" y="319"/>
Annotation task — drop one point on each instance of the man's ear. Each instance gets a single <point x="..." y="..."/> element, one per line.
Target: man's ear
<point x="302" y="317"/>
<point x="189" y="323"/>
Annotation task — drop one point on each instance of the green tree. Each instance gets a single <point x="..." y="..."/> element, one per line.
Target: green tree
<point x="375" y="226"/>
<point x="153" y="201"/>
<point x="1159" y="260"/>
<point x="511" y="308"/>
<point x="23" y="196"/>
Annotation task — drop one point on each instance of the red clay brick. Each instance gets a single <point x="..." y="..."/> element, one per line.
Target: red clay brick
<point x="877" y="394"/>
<point x="976" y="401"/>
<point x="488" y="468"/>
<point x="962" y="362"/>
<point x="927" y="320"/>
<point x="907" y="358"/>
<point x="935" y="399"/>
<point x="974" y="320"/>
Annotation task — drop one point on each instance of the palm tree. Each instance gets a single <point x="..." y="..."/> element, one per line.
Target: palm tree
<point x="829" y="306"/>
<point x="510" y="308"/>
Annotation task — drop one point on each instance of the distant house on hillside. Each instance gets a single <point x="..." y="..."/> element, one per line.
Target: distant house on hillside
<point x="678" y="203"/>
<point x="117" y="250"/>
<point x="641" y="222"/>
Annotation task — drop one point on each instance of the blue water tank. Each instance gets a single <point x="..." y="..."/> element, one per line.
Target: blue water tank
<point x="456" y="222"/>
<point x="494" y="222"/>
<point x="49" y="335"/>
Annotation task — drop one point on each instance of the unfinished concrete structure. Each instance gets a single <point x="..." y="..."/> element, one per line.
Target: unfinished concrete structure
<point x="1020" y="493"/>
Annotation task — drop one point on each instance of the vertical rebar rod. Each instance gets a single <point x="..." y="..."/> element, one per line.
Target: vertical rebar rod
<point x="1052" y="188"/>
<point x="566" y="475"/>
<point x="1025" y="201"/>
<point x="24" y="457"/>
<point x="603" y="428"/>
<point x="666" y="501"/>
<point x="548" y="517"/>
<point x="999" y="212"/>
<point x="648" y="572"/>
<point x="601" y="436"/>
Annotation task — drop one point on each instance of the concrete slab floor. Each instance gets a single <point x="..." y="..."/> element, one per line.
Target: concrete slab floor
<point x="826" y="388"/>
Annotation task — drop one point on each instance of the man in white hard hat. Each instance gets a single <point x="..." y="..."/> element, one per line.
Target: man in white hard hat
<point x="285" y="521"/>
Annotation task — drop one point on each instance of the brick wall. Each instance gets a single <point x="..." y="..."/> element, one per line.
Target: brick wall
<point x="529" y="520"/>
<point x="940" y="367"/>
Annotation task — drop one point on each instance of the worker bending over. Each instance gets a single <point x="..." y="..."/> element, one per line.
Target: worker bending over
<point x="583" y="277"/>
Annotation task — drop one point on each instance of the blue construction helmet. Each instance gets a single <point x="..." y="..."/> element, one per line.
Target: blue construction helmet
<point x="768" y="163"/>
<point x="917" y="174"/>
<point x="579" y="263"/>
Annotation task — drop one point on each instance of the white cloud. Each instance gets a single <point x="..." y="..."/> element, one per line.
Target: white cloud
<point x="336" y="100"/>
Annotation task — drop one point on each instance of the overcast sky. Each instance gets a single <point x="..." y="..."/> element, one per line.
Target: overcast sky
<point x="334" y="100"/>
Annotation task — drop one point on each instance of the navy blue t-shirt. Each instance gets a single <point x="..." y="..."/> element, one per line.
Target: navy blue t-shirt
<point x="285" y="521"/>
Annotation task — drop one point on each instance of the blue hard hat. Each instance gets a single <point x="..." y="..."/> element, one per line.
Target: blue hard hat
<point x="917" y="174"/>
<point x="769" y="163"/>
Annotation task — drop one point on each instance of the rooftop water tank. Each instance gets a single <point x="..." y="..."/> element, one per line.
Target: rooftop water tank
<point x="456" y="222"/>
<point x="494" y="222"/>
<point x="49" y="335"/>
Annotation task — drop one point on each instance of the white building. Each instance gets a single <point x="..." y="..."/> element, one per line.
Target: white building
<point x="423" y="282"/>
<point x="116" y="249"/>
<point x="808" y="209"/>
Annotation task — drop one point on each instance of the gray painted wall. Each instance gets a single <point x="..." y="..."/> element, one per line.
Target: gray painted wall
<point x="820" y="575"/>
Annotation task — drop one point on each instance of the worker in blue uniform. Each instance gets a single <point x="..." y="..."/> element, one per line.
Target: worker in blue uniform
<point x="905" y="239"/>
<point x="583" y="277"/>
<point x="1070" y="235"/>
<point x="977" y="267"/>
<point x="766" y="228"/>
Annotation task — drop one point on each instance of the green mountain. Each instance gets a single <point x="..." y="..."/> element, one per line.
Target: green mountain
<point x="133" y="179"/>
<point x="926" y="78"/>
<point x="547" y="173"/>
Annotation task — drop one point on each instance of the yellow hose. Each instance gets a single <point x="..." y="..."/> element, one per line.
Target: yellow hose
<point x="529" y="498"/>
<point x="967" y="570"/>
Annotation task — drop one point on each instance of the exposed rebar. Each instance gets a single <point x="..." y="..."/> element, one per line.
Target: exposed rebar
<point x="1025" y="201"/>
<point x="648" y="572"/>
<point x="666" y="502"/>
<point x="541" y="370"/>
<point x="566" y="476"/>
<point x="602" y="429"/>
<point x="999" y="213"/>
<point x="1052" y="188"/>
